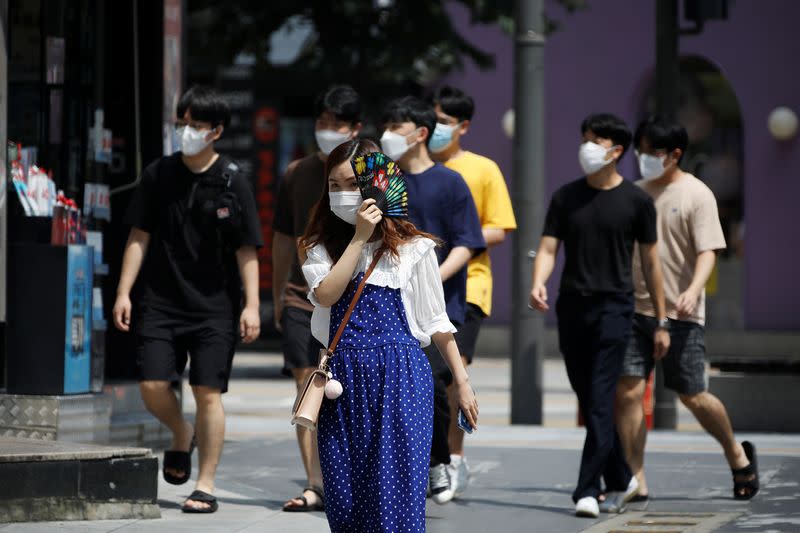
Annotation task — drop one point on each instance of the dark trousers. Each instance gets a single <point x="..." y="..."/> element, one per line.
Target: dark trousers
<point x="440" y="446"/>
<point x="593" y="333"/>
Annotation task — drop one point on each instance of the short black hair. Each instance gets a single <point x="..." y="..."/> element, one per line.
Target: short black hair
<point x="342" y="101"/>
<point x="411" y="109"/>
<point x="204" y="104"/>
<point x="662" y="134"/>
<point x="454" y="102"/>
<point x="608" y="126"/>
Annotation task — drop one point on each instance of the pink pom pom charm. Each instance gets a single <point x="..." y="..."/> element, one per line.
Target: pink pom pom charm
<point x="333" y="389"/>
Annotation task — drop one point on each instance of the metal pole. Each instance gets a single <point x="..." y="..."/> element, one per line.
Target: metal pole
<point x="665" y="413"/>
<point x="528" y="188"/>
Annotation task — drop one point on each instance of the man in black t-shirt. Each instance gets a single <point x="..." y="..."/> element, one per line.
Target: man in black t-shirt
<point x="337" y="114"/>
<point x="598" y="218"/>
<point x="194" y="235"/>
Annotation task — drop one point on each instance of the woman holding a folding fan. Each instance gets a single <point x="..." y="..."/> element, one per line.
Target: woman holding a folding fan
<point x="368" y="267"/>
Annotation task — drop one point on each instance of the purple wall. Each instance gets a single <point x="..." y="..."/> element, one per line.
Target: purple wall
<point x="597" y="61"/>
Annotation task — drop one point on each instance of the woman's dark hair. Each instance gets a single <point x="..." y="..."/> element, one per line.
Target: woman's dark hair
<point x="411" y="109"/>
<point x="206" y="105"/>
<point x="662" y="134"/>
<point x="608" y="126"/>
<point x="342" y="101"/>
<point x="334" y="233"/>
<point x="454" y="102"/>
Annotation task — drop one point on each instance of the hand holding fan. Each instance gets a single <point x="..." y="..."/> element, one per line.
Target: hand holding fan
<point x="381" y="179"/>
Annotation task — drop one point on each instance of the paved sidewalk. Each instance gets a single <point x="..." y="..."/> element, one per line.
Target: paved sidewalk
<point x="522" y="475"/>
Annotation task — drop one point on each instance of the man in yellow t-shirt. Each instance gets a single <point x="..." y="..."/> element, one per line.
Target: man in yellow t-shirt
<point x="454" y="111"/>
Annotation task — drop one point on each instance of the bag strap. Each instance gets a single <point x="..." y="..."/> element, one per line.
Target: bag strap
<point x="353" y="303"/>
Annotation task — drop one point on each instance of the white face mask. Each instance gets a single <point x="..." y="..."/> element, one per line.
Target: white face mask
<point x="345" y="205"/>
<point x="328" y="140"/>
<point x="192" y="141"/>
<point x="394" y="144"/>
<point x="650" y="166"/>
<point x="592" y="157"/>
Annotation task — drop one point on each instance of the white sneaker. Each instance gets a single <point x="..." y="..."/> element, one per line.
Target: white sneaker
<point x="458" y="470"/>
<point x="440" y="484"/>
<point x="587" y="507"/>
<point x="616" y="500"/>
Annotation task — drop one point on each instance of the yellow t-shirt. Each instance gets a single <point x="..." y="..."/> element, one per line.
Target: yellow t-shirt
<point x="488" y="188"/>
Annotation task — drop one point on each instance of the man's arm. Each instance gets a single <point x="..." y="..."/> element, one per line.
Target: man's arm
<point x="456" y="260"/>
<point x="494" y="236"/>
<point x="283" y="250"/>
<point x="135" y="251"/>
<point x="250" y="321"/>
<point x="688" y="300"/>
<point x="542" y="269"/>
<point x="651" y="269"/>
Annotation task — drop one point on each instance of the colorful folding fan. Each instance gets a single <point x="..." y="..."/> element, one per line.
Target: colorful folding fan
<point x="380" y="178"/>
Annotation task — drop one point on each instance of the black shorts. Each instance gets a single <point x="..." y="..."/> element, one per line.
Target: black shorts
<point x="300" y="348"/>
<point x="164" y="343"/>
<point x="684" y="366"/>
<point x="467" y="334"/>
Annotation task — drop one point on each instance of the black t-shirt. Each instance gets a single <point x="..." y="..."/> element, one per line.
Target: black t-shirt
<point x="300" y="190"/>
<point x="190" y="268"/>
<point x="598" y="229"/>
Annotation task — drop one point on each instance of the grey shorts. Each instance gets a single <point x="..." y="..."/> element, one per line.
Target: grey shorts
<point x="684" y="366"/>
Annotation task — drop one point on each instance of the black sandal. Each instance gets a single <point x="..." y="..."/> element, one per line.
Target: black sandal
<point x="202" y="497"/>
<point x="178" y="460"/>
<point x="750" y="472"/>
<point x="305" y="508"/>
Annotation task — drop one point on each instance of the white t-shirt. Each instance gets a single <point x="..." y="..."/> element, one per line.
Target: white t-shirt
<point x="415" y="273"/>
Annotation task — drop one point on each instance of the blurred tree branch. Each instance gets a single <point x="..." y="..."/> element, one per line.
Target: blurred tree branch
<point x="372" y="42"/>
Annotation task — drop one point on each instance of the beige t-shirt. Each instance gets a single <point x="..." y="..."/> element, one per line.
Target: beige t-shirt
<point x="688" y="224"/>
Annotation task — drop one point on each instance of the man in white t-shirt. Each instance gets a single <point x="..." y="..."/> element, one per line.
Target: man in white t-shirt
<point x="689" y="236"/>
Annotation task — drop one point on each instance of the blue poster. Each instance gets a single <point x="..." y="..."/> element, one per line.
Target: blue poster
<point x="77" y="345"/>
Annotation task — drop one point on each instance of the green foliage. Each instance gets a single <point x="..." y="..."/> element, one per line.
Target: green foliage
<point x="411" y="41"/>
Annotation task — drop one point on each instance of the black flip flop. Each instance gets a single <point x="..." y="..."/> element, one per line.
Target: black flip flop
<point x="306" y="508"/>
<point x="639" y="498"/>
<point x="747" y="471"/>
<point x="178" y="460"/>
<point x="203" y="497"/>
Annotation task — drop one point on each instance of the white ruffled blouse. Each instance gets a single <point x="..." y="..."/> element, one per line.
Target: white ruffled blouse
<point x="415" y="273"/>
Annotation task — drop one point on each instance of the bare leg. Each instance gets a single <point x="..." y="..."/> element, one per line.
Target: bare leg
<point x="631" y="425"/>
<point x="307" y="441"/>
<point x="210" y="421"/>
<point x="160" y="400"/>
<point x="455" y="436"/>
<point x="711" y="414"/>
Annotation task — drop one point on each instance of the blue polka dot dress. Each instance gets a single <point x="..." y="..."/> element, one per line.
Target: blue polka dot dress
<point x="374" y="440"/>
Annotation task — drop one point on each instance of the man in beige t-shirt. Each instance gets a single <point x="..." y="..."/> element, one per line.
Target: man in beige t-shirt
<point x="689" y="235"/>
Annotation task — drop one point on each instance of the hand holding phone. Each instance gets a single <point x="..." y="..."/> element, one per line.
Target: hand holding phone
<point x="463" y="423"/>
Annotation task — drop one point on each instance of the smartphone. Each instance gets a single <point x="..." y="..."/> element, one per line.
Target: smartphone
<point x="463" y="423"/>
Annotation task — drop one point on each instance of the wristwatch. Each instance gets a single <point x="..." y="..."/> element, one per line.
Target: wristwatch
<point x="663" y="324"/>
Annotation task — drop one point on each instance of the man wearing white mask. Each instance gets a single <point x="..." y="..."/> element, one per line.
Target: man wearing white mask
<point x="337" y="114"/>
<point x="195" y="231"/>
<point x="599" y="217"/>
<point x="454" y="110"/>
<point x="689" y="237"/>
<point x="440" y="203"/>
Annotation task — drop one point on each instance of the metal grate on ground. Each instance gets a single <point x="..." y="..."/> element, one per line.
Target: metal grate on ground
<point x="653" y="522"/>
